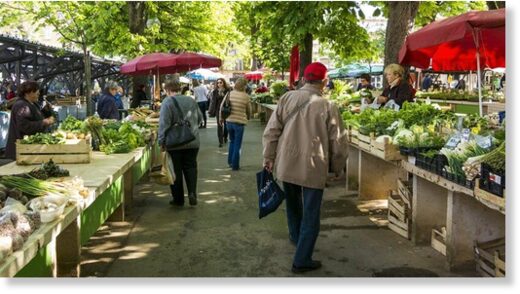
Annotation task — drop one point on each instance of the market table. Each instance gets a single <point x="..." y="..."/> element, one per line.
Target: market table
<point x="54" y="249"/>
<point x="268" y="109"/>
<point x="369" y="176"/>
<point x="436" y="202"/>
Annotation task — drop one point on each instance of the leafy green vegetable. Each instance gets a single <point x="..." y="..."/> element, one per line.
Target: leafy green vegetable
<point x="71" y="124"/>
<point x="44" y="138"/>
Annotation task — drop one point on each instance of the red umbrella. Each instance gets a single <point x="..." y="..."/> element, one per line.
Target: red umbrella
<point x="164" y="63"/>
<point x="451" y="43"/>
<point x="463" y="42"/>
<point x="188" y="61"/>
<point x="254" y="75"/>
<point x="149" y="63"/>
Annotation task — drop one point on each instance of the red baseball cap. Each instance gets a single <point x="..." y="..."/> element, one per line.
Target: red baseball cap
<point x="315" y="71"/>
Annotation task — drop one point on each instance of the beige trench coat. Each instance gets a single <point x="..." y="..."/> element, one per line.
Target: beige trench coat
<point x="303" y="147"/>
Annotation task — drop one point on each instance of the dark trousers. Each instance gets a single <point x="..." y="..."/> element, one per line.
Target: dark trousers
<point x="303" y="219"/>
<point x="222" y="131"/>
<point x="185" y="166"/>
<point x="203" y="107"/>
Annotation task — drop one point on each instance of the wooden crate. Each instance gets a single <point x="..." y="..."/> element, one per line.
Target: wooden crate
<point x="399" y="215"/>
<point x="489" y="199"/>
<point x="353" y="136"/>
<point x="385" y="150"/>
<point x="438" y="241"/>
<point x="73" y="151"/>
<point x="405" y="191"/>
<point x="490" y="258"/>
<point x="365" y="142"/>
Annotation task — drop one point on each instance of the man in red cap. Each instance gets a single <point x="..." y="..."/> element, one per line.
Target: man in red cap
<point x="301" y="139"/>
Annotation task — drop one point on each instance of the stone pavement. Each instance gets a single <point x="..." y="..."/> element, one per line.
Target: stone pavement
<point x="223" y="237"/>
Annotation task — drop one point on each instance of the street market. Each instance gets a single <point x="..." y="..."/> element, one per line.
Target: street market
<point x="258" y="156"/>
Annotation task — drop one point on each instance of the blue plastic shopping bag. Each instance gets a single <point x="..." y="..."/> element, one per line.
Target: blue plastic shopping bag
<point x="270" y="195"/>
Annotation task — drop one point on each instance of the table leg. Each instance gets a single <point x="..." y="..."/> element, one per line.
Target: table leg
<point x="68" y="250"/>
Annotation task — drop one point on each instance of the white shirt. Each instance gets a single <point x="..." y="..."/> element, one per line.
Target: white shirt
<point x="201" y="93"/>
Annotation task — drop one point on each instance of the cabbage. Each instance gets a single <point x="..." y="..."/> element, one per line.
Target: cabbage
<point x="403" y="133"/>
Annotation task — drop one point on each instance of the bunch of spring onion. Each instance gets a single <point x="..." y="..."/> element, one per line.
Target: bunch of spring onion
<point x="33" y="187"/>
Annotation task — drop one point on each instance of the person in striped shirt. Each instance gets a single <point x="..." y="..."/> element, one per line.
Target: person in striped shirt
<point x="237" y="120"/>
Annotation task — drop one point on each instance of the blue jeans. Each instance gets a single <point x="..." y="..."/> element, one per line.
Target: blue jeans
<point x="303" y="219"/>
<point x="236" y="133"/>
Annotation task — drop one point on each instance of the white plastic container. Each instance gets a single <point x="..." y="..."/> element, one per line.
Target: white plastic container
<point x="50" y="207"/>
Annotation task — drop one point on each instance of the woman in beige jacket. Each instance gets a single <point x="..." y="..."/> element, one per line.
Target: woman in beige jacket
<point x="237" y="120"/>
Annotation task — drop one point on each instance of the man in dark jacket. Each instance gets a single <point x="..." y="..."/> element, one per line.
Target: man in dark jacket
<point x="138" y="98"/>
<point x="107" y="107"/>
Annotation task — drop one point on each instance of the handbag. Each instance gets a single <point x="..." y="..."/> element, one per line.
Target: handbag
<point x="225" y="111"/>
<point x="166" y="174"/>
<point x="270" y="195"/>
<point x="179" y="133"/>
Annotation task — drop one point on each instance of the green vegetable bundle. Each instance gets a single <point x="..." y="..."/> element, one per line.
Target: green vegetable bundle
<point x="44" y="138"/>
<point x="496" y="158"/>
<point x="72" y="124"/>
<point x="32" y="187"/>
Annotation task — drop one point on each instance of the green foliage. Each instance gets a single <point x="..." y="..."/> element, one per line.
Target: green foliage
<point x="71" y="124"/>
<point x="418" y="113"/>
<point x="279" y="88"/>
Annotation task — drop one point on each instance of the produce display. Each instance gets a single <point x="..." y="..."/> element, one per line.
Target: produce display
<point x="454" y="146"/>
<point x="44" y="138"/>
<point x="49" y="170"/>
<point x="461" y="95"/>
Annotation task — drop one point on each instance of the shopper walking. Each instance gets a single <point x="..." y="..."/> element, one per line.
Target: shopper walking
<point x="237" y="120"/>
<point x="184" y="157"/>
<point x="201" y="96"/>
<point x="217" y="97"/>
<point x="301" y="139"/>
<point x="26" y="117"/>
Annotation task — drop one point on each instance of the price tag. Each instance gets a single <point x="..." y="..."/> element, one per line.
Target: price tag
<point x="465" y="135"/>
<point x="484" y="142"/>
<point x="453" y="142"/>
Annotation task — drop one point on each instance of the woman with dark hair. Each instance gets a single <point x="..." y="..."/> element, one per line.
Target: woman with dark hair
<point x="139" y="96"/>
<point x="26" y="117"/>
<point x="107" y="105"/>
<point x="217" y="96"/>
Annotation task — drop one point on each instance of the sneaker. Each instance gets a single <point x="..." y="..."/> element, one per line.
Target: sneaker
<point x="315" y="264"/>
<point x="193" y="199"/>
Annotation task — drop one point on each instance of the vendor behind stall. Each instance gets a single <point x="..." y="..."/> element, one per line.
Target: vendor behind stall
<point x="26" y="117"/>
<point x="107" y="105"/>
<point x="398" y="90"/>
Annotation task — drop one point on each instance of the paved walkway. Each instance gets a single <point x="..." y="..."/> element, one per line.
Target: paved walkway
<point x="223" y="237"/>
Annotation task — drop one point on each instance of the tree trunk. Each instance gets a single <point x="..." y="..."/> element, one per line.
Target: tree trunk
<point x="306" y="53"/>
<point x="254" y="58"/>
<point x="401" y="17"/>
<point x="137" y="23"/>
<point x="492" y="5"/>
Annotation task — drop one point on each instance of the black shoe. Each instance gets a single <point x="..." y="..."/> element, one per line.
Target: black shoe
<point x="193" y="199"/>
<point x="173" y="203"/>
<point x="225" y="140"/>
<point x="220" y="145"/>
<point x="202" y="127"/>
<point x="295" y="243"/>
<point x="316" y="264"/>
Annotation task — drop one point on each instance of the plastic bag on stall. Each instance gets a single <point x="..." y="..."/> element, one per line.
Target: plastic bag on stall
<point x="392" y="105"/>
<point x="12" y="204"/>
<point x="165" y="176"/>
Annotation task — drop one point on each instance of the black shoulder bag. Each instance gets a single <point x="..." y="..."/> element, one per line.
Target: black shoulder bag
<point x="226" y="107"/>
<point x="179" y="133"/>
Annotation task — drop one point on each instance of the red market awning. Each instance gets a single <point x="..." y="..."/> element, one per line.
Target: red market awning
<point x="254" y="75"/>
<point x="165" y="63"/>
<point x="451" y="44"/>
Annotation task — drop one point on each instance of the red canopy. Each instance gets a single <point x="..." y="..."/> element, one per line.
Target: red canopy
<point x="254" y="75"/>
<point x="145" y="64"/>
<point x="294" y="70"/>
<point x="451" y="44"/>
<point x="164" y="63"/>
